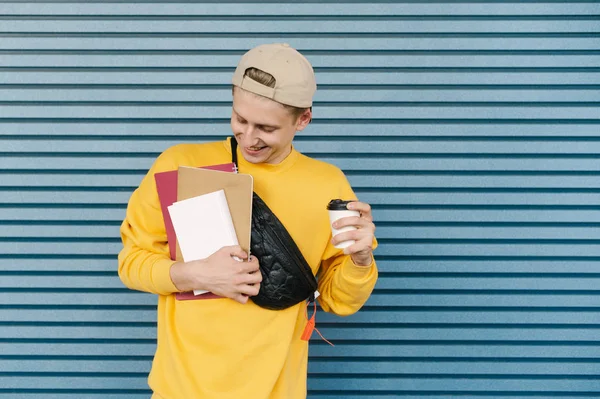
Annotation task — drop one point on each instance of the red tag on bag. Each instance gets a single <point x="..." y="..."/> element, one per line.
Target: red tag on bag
<point x="311" y="324"/>
<point x="308" y="329"/>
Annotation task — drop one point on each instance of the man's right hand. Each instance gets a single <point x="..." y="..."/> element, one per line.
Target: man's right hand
<point x="220" y="274"/>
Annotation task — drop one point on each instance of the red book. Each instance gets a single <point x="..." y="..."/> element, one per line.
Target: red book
<point x="166" y="187"/>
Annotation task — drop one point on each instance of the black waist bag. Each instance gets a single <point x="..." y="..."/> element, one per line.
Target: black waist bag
<point x="287" y="279"/>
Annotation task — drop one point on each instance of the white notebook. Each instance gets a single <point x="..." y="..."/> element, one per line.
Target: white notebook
<point x="203" y="225"/>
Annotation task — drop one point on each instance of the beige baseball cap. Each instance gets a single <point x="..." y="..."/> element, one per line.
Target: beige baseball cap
<point x="295" y="79"/>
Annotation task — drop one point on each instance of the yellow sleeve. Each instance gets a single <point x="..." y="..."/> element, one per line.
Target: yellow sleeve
<point x="144" y="261"/>
<point x="343" y="286"/>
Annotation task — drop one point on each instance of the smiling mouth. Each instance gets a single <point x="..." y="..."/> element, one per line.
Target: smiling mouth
<point x="256" y="149"/>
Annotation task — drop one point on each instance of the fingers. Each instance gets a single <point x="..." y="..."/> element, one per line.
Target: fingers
<point x="254" y="277"/>
<point x="236" y="251"/>
<point x="249" y="286"/>
<point x="250" y="266"/>
<point x="363" y="208"/>
<point x="243" y="299"/>
<point x="248" y="280"/>
<point x="356" y="221"/>
<point x="362" y="221"/>
<point x="250" y="290"/>
<point x="361" y="250"/>
<point x="363" y="239"/>
<point x="360" y="228"/>
<point x="364" y="245"/>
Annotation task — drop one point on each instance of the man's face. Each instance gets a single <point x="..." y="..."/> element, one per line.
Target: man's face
<point x="263" y="128"/>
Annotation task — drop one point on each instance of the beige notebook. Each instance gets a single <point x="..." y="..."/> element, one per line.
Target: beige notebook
<point x="238" y="188"/>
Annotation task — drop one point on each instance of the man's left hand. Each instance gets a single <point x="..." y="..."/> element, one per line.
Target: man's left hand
<point x="362" y="249"/>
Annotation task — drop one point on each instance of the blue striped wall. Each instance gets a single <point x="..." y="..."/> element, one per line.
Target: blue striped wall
<point x="472" y="127"/>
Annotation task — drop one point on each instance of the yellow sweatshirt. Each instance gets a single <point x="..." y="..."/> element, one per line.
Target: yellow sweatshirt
<point x="219" y="348"/>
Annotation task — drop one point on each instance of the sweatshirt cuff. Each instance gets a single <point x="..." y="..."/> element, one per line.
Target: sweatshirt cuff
<point x="352" y="271"/>
<point x="161" y="277"/>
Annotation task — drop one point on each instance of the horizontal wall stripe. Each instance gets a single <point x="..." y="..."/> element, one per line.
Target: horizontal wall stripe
<point x="450" y="249"/>
<point x="311" y="43"/>
<point x="402" y="375"/>
<point x="545" y="267"/>
<point x="508" y="164"/>
<point x="70" y="366"/>
<point x="325" y="77"/>
<point x="407" y="306"/>
<point x="31" y="231"/>
<point x="336" y="10"/>
<point x="350" y="60"/>
<point x="328" y="394"/>
<point x="327" y="105"/>
<point x="383" y="383"/>
<point x="318" y="366"/>
<point x="88" y="298"/>
<point x="382" y="300"/>
<point x="351" y="174"/>
<point x="332" y="52"/>
<point x="541" y="267"/>
<point x="17" y="180"/>
<point x="25" y="25"/>
<point x="448" y="386"/>
<point x="119" y="197"/>
<point x="68" y="111"/>
<point x="314" y="394"/>
<point x="337" y="69"/>
<point x="432" y="130"/>
<point x="51" y="394"/>
<point x="294" y="35"/>
<point x="75" y="213"/>
<point x="469" y="331"/>
<point x="369" y="350"/>
<point x="391" y="283"/>
<point x="133" y="383"/>
<point x="141" y="96"/>
<point x="435" y="248"/>
<point x="349" y="147"/>
<point x="364" y="121"/>
<point x="559" y="248"/>
<point x="563" y="319"/>
<point x="31" y="209"/>
<point x="507" y="298"/>
<point x="78" y="392"/>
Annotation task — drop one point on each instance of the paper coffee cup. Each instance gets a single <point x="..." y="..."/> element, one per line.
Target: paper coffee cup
<point x="337" y="209"/>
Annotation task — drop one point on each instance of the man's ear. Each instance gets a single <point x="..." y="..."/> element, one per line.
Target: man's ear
<point x="304" y="119"/>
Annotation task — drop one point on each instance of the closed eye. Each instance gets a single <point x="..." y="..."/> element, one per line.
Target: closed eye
<point x="267" y="129"/>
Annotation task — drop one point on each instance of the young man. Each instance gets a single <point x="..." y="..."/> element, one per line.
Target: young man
<point x="230" y="348"/>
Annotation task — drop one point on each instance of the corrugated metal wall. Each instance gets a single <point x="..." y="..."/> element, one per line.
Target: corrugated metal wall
<point x="472" y="128"/>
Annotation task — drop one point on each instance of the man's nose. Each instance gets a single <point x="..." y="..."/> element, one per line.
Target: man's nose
<point x="250" y="136"/>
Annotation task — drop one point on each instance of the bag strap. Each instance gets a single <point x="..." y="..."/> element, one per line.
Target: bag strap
<point x="234" y="145"/>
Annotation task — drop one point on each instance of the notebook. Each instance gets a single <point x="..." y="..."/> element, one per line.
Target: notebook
<point x="203" y="225"/>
